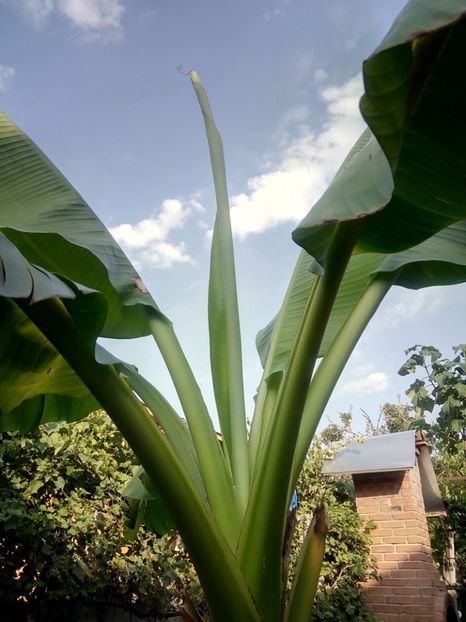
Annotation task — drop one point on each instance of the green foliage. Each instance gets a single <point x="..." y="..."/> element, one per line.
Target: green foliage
<point x="441" y="390"/>
<point x="363" y="236"/>
<point x="347" y="560"/>
<point x="397" y="417"/>
<point x="454" y="494"/>
<point x="337" y="432"/>
<point x="63" y="541"/>
<point x="392" y="418"/>
<point x="343" y="603"/>
<point x="438" y="409"/>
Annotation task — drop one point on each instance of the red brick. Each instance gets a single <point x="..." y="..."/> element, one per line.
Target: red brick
<point x="394" y="581"/>
<point x="375" y="599"/>
<point x="399" y="599"/>
<point x="403" y="574"/>
<point x="418" y="566"/>
<point x="401" y="546"/>
<point x="409" y="548"/>
<point x="381" y="517"/>
<point x="396" y="540"/>
<point x="427" y="573"/>
<point x="394" y="524"/>
<point x="370" y="583"/>
<point x="426" y="601"/>
<point x="411" y="591"/>
<point x="416" y="610"/>
<point x="408" y="531"/>
<point x="411" y="515"/>
<point x="411" y="507"/>
<point x="382" y="608"/>
<point x="396" y="557"/>
<point x="419" y="538"/>
<point x="421" y="557"/>
<point x="384" y="548"/>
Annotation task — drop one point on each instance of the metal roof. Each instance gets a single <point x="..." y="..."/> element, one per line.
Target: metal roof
<point x="390" y="452"/>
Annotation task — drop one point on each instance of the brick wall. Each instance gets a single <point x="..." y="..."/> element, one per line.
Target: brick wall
<point x="409" y="588"/>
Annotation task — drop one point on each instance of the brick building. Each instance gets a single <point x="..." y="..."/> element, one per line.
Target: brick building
<point x="396" y="489"/>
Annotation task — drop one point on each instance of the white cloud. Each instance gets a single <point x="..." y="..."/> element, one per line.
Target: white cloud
<point x="302" y="67"/>
<point x="37" y="11"/>
<point x="6" y="73"/>
<point x="98" y="18"/>
<point x="147" y="14"/>
<point x="320" y="75"/>
<point x="275" y="12"/>
<point x="296" y="116"/>
<point x="288" y="190"/>
<point x="411" y="305"/>
<point x="375" y="382"/>
<point x="93" y="14"/>
<point x="147" y="241"/>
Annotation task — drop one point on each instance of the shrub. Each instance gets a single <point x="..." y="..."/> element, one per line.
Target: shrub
<point x="62" y="527"/>
<point x="63" y="542"/>
<point x="347" y="558"/>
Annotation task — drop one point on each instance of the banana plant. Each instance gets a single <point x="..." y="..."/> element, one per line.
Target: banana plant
<point x="395" y="214"/>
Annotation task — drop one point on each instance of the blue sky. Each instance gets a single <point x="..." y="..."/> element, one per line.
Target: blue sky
<point x="95" y="84"/>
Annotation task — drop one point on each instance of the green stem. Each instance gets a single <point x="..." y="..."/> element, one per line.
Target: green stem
<point x="226" y="591"/>
<point x="174" y="428"/>
<point x="224" y="325"/>
<point x="334" y="361"/>
<point x="265" y="403"/>
<point x="212" y="463"/>
<point x="307" y="572"/>
<point x="268" y="387"/>
<point x="262" y="535"/>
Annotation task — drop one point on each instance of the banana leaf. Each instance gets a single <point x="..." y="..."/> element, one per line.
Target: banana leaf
<point x="409" y="179"/>
<point x="440" y="260"/>
<point x="53" y="227"/>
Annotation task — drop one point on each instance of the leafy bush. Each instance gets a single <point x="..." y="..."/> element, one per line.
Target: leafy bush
<point x="453" y="493"/>
<point x="63" y="542"/>
<point x="62" y="527"/>
<point x="347" y="560"/>
<point x="439" y="389"/>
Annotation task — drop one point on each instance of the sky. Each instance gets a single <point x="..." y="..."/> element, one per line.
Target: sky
<point x="97" y="85"/>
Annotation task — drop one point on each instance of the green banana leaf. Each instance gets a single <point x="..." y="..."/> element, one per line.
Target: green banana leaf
<point x="52" y="227"/>
<point x="47" y="408"/>
<point x="173" y="426"/>
<point x="413" y="42"/>
<point x="415" y="89"/>
<point x="36" y="384"/>
<point x="29" y="365"/>
<point x="53" y="245"/>
<point x="308" y="568"/>
<point x="357" y="276"/>
<point x="142" y="491"/>
<point x="20" y="279"/>
<point x="224" y="324"/>
<point x="440" y="260"/>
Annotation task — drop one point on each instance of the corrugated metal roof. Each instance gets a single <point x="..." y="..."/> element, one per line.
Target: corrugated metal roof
<point x="390" y="452"/>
